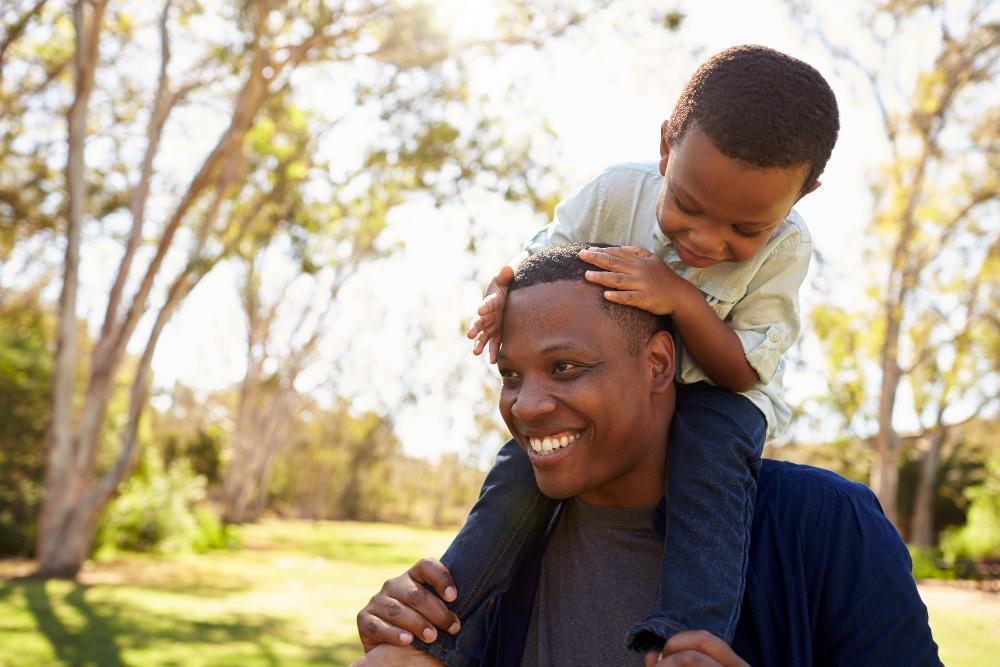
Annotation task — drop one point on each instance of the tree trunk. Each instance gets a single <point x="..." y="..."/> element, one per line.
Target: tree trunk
<point x="922" y="526"/>
<point x="63" y="533"/>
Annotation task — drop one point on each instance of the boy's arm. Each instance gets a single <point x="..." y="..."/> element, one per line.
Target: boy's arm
<point x="639" y="278"/>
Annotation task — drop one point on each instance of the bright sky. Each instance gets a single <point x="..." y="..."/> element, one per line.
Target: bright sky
<point x="604" y="92"/>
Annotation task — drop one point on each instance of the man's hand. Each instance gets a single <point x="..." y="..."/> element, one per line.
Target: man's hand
<point x="487" y="326"/>
<point x="636" y="277"/>
<point x="695" y="648"/>
<point x="404" y="609"/>
<point x="396" y="656"/>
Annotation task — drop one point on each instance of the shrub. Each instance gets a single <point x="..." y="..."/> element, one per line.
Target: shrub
<point x="161" y="510"/>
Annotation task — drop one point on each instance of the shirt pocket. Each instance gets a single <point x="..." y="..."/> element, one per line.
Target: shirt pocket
<point x="720" y="299"/>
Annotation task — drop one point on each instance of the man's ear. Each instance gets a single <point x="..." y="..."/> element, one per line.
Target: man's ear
<point x="660" y="354"/>
<point x="664" y="148"/>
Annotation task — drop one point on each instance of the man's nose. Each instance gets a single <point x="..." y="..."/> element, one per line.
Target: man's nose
<point x="533" y="400"/>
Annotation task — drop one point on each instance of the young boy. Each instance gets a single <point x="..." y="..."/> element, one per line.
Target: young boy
<point x="710" y="239"/>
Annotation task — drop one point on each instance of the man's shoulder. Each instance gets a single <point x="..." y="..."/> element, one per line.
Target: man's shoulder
<point x="803" y="491"/>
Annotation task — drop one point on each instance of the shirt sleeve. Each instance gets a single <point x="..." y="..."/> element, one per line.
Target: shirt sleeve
<point x="869" y="611"/>
<point x="767" y="318"/>
<point x="576" y="218"/>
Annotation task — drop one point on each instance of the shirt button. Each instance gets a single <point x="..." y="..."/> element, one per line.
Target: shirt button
<point x="773" y="335"/>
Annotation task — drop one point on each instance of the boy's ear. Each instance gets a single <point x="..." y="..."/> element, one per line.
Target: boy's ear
<point x="664" y="148"/>
<point x="661" y="356"/>
<point x="812" y="188"/>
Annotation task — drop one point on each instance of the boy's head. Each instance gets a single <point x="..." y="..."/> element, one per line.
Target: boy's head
<point x="761" y="106"/>
<point x="750" y="135"/>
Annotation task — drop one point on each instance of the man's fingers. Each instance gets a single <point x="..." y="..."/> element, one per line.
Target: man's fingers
<point x="399" y="615"/>
<point x="410" y="592"/>
<point x="434" y="573"/>
<point x="688" y="659"/>
<point x="651" y="659"/>
<point x="705" y="643"/>
<point x="374" y="631"/>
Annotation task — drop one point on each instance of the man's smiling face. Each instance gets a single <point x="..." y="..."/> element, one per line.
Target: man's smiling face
<point x="592" y="417"/>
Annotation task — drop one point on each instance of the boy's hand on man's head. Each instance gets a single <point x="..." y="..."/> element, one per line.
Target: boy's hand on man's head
<point x="487" y="326"/>
<point x="637" y="277"/>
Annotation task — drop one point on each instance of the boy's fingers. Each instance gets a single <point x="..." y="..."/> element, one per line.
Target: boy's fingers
<point x="505" y="276"/>
<point x="600" y="258"/>
<point x="625" y="297"/>
<point x="491" y="302"/>
<point x="398" y="615"/>
<point x="481" y="339"/>
<point x="494" y="348"/>
<point x="636" y="250"/>
<point x="611" y="279"/>
<point x="651" y="658"/>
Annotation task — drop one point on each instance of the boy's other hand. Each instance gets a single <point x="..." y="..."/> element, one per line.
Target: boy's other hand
<point x="636" y="277"/>
<point x="404" y="608"/>
<point x="486" y="327"/>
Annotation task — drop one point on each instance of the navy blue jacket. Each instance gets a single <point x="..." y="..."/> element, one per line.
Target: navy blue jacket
<point x="829" y="582"/>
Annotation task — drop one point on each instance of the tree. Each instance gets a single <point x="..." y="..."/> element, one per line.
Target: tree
<point x="934" y="235"/>
<point x="114" y="171"/>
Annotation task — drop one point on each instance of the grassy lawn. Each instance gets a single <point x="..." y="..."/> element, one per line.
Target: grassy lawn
<point x="287" y="597"/>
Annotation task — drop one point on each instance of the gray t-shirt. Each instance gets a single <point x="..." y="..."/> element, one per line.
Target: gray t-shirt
<point x="600" y="575"/>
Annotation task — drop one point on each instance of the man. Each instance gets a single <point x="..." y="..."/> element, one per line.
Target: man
<point x="588" y="393"/>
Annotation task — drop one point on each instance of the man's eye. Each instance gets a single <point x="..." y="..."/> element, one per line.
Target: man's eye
<point x="506" y="374"/>
<point x="562" y="367"/>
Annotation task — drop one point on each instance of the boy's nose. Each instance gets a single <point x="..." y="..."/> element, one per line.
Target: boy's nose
<point x="707" y="242"/>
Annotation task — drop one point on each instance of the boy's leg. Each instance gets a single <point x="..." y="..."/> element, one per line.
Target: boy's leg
<point x="713" y="458"/>
<point x="510" y="515"/>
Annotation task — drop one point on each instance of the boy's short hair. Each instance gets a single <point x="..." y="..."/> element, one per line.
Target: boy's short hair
<point x="761" y="106"/>
<point x="562" y="262"/>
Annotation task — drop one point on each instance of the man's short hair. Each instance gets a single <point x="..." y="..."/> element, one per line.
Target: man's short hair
<point x="563" y="262"/>
<point x="761" y="106"/>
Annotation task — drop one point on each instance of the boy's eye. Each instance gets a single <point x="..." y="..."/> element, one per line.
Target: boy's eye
<point x="682" y="208"/>
<point x="746" y="233"/>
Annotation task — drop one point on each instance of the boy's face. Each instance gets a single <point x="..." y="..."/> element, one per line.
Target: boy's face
<point x="572" y="389"/>
<point x="716" y="208"/>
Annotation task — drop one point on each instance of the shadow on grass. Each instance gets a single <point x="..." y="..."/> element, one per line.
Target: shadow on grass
<point x="85" y="632"/>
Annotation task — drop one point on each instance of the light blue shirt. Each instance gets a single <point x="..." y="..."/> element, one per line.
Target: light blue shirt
<point x="758" y="299"/>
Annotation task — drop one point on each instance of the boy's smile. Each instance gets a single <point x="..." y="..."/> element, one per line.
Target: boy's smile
<point x="715" y="208"/>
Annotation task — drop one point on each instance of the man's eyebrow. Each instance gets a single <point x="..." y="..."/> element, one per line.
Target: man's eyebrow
<point x="692" y="202"/>
<point x="558" y="346"/>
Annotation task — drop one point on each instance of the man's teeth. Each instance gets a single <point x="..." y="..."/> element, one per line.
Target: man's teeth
<point x="551" y="443"/>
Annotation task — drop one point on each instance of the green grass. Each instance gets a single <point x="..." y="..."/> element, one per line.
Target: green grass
<point x="287" y="597"/>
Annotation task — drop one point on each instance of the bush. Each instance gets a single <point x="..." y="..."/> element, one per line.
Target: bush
<point x="161" y="510"/>
<point x="979" y="538"/>
<point x="930" y="564"/>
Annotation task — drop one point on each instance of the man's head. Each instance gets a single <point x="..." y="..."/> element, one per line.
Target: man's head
<point x="587" y="384"/>
<point x="749" y="136"/>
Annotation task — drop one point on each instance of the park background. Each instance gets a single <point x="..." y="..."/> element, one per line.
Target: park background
<point x="240" y="244"/>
